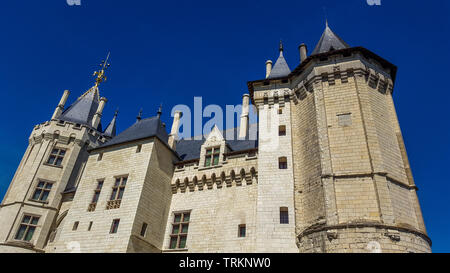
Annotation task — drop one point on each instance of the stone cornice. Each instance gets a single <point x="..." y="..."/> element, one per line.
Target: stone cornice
<point x="221" y="178"/>
<point x="371" y="63"/>
<point x="363" y="224"/>
<point x="371" y="175"/>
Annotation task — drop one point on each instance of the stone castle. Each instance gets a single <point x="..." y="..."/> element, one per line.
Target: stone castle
<point x="327" y="172"/>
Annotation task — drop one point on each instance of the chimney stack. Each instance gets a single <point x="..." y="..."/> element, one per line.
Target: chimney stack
<point x="243" y="131"/>
<point x="268" y="68"/>
<point x="303" y="52"/>
<point x="98" y="114"/>
<point x="60" y="108"/>
<point x="173" y="137"/>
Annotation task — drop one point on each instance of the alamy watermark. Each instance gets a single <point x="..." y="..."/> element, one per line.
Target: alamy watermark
<point x="73" y="2"/>
<point x="374" y="2"/>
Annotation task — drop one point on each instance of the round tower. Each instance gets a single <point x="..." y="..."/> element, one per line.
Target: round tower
<point x="353" y="188"/>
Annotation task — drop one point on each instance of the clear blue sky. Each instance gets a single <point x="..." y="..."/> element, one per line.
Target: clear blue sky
<point x="169" y="51"/>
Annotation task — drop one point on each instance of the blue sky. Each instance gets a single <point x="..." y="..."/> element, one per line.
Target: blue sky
<point x="171" y="51"/>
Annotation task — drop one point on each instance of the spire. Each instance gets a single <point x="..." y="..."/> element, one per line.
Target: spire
<point x="329" y="41"/>
<point x="281" y="68"/>
<point x="159" y="111"/>
<point x="111" y="129"/>
<point x="83" y="110"/>
<point x="139" y="117"/>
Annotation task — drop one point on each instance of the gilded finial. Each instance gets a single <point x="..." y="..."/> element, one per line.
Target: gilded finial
<point x="101" y="73"/>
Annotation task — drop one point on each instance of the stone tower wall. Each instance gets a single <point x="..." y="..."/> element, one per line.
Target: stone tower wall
<point x="34" y="168"/>
<point x="275" y="185"/>
<point x="368" y="195"/>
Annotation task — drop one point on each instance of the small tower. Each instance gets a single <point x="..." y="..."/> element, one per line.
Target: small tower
<point x="49" y="171"/>
<point x="275" y="223"/>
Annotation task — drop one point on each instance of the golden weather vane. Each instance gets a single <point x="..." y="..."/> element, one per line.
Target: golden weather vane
<point x="101" y="73"/>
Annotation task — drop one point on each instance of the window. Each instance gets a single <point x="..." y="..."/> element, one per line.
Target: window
<point x="138" y="148"/>
<point x="282" y="163"/>
<point x="114" y="226"/>
<point x="282" y="130"/>
<point x="97" y="191"/>
<point x="27" y="228"/>
<point x="100" y="157"/>
<point x="212" y="157"/>
<point x="42" y="191"/>
<point x="119" y="188"/>
<point x="280" y="111"/>
<point x="75" y="225"/>
<point x="180" y="228"/>
<point x="117" y="193"/>
<point x="56" y="157"/>
<point x="144" y="229"/>
<point x="90" y="226"/>
<point x="241" y="231"/>
<point x="345" y="119"/>
<point x="284" y="215"/>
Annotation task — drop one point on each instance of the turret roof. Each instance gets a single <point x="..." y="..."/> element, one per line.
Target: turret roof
<point x="281" y="68"/>
<point x="329" y="42"/>
<point x="82" y="111"/>
<point x="111" y="129"/>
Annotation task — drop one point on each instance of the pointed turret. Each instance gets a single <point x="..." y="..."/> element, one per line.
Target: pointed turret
<point x="111" y="129"/>
<point x="329" y="42"/>
<point x="82" y="111"/>
<point x="281" y="68"/>
<point x="88" y="108"/>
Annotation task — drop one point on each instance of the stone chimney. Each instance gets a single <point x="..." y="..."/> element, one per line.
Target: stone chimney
<point x="268" y="68"/>
<point x="60" y="108"/>
<point x="173" y="137"/>
<point x="303" y="52"/>
<point x="243" y="131"/>
<point x="98" y="114"/>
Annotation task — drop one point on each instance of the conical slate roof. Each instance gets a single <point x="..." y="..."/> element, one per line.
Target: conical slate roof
<point x="281" y="68"/>
<point x="329" y="41"/>
<point x="82" y="111"/>
<point x="111" y="129"/>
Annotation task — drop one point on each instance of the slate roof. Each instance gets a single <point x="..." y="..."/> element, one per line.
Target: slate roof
<point x="82" y="111"/>
<point x="190" y="149"/>
<point x="329" y="42"/>
<point x="144" y="128"/>
<point x="281" y="68"/>
<point x="111" y="129"/>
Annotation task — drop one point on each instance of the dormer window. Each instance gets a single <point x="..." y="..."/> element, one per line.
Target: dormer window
<point x="212" y="157"/>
